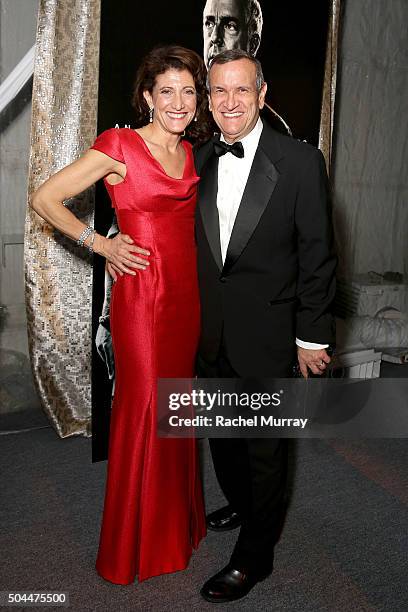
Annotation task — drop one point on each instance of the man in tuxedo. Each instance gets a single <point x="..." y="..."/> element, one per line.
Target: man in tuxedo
<point x="266" y="275"/>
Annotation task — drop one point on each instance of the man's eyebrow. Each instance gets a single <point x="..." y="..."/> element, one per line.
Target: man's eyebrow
<point x="230" y="18"/>
<point x="222" y="18"/>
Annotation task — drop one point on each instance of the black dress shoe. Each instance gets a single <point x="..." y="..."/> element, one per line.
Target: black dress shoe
<point x="223" y="519"/>
<point x="228" y="585"/>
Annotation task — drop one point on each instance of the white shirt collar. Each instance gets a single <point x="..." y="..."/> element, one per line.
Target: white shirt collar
<point x="251" y="140"/>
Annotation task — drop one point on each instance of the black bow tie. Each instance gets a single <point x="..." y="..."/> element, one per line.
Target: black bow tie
<point x="221" y="148"/>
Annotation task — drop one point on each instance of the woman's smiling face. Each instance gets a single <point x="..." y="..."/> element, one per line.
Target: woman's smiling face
<point x="174" y="100"/>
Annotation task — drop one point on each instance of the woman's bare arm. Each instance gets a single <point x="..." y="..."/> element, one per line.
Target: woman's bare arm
<point x="48" y="200"/>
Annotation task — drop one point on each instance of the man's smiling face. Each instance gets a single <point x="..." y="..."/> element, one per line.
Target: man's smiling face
<point x="224" y="27"/>
<point x="234" y="98"/>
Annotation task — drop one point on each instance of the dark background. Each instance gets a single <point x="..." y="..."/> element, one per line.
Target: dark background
<point x="292" y="54"/>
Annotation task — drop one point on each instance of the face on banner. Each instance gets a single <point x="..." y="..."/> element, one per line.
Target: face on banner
<point x="231" y="24"/>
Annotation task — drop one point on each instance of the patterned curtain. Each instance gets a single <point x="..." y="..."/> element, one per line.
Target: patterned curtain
<point x="329" y="84"/>
<point x="58" y="274"/>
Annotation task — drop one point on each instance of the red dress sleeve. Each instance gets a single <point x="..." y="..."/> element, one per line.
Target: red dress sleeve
<point x="109" y="143"/>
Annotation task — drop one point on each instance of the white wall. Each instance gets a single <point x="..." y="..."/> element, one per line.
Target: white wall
<point x="371" y="137"/>
<point x="18" y="20"/>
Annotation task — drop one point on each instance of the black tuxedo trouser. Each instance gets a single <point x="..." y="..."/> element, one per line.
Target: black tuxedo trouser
<point x="252" y="476"/>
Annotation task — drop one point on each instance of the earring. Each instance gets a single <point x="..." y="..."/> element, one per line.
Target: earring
<point x="151" y="110"/>
<point x="195" y="118"/>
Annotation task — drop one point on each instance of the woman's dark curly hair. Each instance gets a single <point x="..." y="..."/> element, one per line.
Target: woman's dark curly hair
<point x="158" y="61"/>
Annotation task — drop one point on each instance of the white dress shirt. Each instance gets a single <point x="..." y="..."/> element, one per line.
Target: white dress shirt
<point x="233" y="173"/>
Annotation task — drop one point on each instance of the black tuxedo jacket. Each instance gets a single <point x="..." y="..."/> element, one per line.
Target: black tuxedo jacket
<point x="278" y="279"/>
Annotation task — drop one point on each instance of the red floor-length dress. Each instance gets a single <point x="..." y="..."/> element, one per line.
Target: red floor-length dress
<point x="154" y="512"/>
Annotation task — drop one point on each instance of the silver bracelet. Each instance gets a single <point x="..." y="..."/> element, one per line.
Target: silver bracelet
<point x="90" y="246"/>
<point x="84" y="235"/>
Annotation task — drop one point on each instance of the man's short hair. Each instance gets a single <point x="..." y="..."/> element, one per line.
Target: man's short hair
<point x="232" y="55"/>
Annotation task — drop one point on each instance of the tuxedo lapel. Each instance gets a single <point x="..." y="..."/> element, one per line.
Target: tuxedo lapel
<point x="258" y="191"/>
<point x="207" y="202"/>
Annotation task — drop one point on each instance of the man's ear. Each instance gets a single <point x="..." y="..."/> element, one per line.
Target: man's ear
<point x="209" y="103"/>
<point x="254" y="44"/>
<point x="262" y="95"/>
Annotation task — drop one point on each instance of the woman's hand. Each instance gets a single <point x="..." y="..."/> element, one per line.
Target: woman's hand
<point x="122" y="255"/>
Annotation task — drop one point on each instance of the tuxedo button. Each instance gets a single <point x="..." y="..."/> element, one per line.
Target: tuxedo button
<point x="223" y="279"/>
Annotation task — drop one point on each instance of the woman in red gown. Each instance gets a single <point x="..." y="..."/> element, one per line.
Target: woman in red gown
<point x="153" y="513"/>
